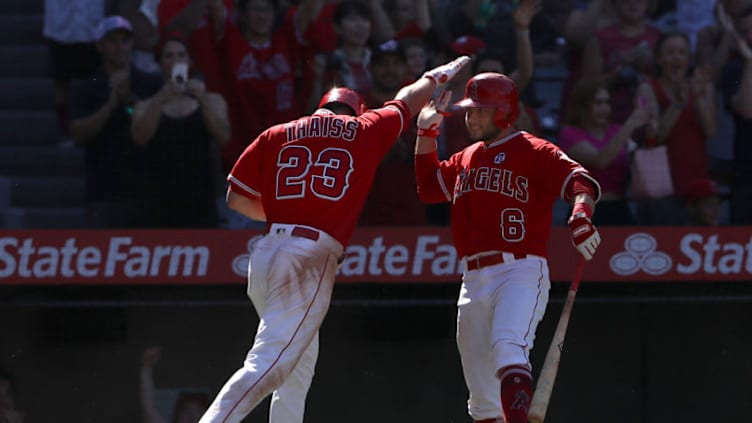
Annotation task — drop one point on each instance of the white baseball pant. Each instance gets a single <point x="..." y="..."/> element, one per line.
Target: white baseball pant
<point x="499" y="309"/>
<point x="290" y="283"/>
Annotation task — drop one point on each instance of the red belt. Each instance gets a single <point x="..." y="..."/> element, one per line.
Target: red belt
<point x="302" y="232"/>
<point x="490" y="260"/>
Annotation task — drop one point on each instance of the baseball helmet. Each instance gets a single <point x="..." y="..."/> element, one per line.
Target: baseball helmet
<point x="490" y="89"/>
<point x="345" y="96"/>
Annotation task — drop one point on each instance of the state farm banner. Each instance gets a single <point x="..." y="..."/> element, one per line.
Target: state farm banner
<point x="67" y="257"/>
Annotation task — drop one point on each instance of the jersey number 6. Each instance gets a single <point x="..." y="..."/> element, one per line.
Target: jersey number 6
<point x="512" y="225"/>
<point x="327" y="177"/>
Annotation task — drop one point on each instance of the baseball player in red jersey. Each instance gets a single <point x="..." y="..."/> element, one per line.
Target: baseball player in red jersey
<point x="502" y="190"/>
<point x="308" y="179"/>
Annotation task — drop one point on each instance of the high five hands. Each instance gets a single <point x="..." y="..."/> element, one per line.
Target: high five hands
<point x="432" y="114"/>
<point x="440" y="75"/>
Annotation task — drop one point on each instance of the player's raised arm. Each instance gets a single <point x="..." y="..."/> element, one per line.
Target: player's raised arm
<point x="429" y="121"/>
<point x="417" y="94"/>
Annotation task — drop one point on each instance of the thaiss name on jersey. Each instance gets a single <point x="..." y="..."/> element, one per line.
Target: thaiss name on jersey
<point x="491" y="179"/>
<point x="327" y="126"/>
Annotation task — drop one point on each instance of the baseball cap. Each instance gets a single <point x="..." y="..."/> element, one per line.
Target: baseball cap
<point x="386" y="48"/>
<point x="701" y="188"/>
<point x="466" y="45"/>
<point x="112" y="23"/>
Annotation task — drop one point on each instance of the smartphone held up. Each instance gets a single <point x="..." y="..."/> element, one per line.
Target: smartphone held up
<point x="180" y="74"/>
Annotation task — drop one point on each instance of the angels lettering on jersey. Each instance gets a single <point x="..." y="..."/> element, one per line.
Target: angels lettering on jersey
<point x="492" y="179"/>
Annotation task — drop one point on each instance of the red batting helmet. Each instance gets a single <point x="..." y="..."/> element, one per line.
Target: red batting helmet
<point x="345" y="96"/>
<point x="491" y="89"/>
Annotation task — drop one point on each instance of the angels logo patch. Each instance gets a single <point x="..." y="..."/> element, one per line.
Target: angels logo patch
<point x="499" y="158"/>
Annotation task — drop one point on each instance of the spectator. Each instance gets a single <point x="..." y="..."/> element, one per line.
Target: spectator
<point x="703" y="202"/>
<point x="178" y="126"/>
<point x="469" y="17"/>
<point x="142" y="14"/>
<point x="737" y="90"/>
<point x="684" y="105"/>
<point x="388" y="69"/>
<point x="262" y="62"/>
<point x="8" y="411"/>
<point x="544" y="35"/>
<point x="581" y="23"/>
<point x="191" y="17"/>
<point x="715" y="44"/>
<point x="70" y="28"/>
<point x="393" y="199"/>
<point x="416" y="53"/>
<point x="101" y="110"/>
<point x="189" y="406"/>
<point x="692" y="16"/>
<point x="601" y="146"/>
<point x="397" y="19"/>
<point x="347" y="65"/>
<point x="623" y="53"/>
<point x="322" y="34"/>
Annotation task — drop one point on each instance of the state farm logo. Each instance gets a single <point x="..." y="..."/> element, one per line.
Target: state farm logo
<point x="116" y="256"/>
<point x="427" y="256"/>
<point x="640" y="254"/>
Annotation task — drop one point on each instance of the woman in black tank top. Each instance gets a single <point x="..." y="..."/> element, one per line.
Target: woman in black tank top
<point x="182" y="127"/>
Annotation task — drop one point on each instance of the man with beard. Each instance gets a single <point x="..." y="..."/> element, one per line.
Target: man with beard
<point x="393" y="199"/>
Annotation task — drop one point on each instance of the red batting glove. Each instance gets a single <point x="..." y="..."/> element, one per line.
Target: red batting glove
<point x="584" y="235"/>
<point x="440" y="75"/>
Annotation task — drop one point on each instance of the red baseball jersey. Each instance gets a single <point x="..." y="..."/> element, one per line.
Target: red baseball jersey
<point x="502" y="194"/>
<point x="317" y="170"/>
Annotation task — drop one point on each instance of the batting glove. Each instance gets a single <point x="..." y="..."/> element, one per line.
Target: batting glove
<point x="584" y="235"/>
<point x="432" y="114"/>
<point x="440" y="75"/>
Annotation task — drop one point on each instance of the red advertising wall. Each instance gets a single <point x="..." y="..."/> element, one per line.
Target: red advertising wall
<point x="62" y="257"/>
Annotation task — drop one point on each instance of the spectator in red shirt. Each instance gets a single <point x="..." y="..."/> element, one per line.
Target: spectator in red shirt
<point x="684" y="104"/>
<point x="623" y="54"/>
<point x="261" y="62"/>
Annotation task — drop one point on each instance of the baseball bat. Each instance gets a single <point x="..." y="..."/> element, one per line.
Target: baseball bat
<point x="547" y="377"/>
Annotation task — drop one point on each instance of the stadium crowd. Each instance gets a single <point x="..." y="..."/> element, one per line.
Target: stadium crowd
<point x="672" y="78"/>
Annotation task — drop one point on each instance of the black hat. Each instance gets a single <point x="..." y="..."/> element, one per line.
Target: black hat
<point x="391" y="47"/>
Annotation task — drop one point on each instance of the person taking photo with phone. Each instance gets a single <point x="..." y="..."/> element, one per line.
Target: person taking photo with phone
<point x="182" y="127"/>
